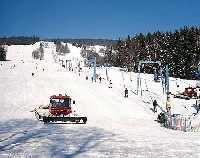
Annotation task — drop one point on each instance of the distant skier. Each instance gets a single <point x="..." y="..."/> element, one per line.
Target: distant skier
<point x="92" y="79"/>
<point x="86" y="77"/>
<point x="32" y="74"/>
<point x="198" y="106"/>
<point x="126" y="93"/>
<point x="110" y="84"/>
<point x="168" y="104"/>
<point x="155" y="104"/>
<point x="161" y="118"/>
<point x="100" y="79"/>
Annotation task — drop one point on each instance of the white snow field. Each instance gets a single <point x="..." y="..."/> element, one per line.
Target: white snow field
<point x="116" y="126"/>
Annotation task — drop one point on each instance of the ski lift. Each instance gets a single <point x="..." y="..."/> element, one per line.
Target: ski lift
<point x="157" y="76"/>
<point x="198" y="71"/>
<point x="157" y="73"/>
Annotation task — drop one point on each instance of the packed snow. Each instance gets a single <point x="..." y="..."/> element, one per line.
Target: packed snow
<point x="116" y="126"/>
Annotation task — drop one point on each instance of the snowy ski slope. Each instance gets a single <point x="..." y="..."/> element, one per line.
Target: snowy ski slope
<point x="116" y="127"/>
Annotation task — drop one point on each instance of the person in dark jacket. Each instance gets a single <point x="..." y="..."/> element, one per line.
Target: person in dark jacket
<point x="155" y="104"/>
<point x="198" y="105"/>
<point x="100" y="79"/>
<point x="161" y="118"/>
<point x="126" y="93"/>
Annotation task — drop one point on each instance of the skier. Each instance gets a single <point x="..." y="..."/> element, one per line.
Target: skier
<point x="92" y="79"/>
<point x="155" y="104"/>
<point x="126" y="93"/>
<point x="32" y="74"/>
<point x="197" y="106"/>
<point x="86" y="77"/>
<point x="110" y="84"/>
<point x="155" y="75"/>
<point x="161" y="118"/>
<point x="100" y="79"/>
<point x="168" y="104"/>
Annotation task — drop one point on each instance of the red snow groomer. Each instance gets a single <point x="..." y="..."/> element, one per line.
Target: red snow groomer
<point x="59" y="110"/>
<point x="189" y="92"/>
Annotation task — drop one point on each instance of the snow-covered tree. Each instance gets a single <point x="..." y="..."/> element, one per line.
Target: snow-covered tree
<point x="38" y="53"/>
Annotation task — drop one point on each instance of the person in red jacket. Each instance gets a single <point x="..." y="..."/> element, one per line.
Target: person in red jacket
<point x="168" y="104"/>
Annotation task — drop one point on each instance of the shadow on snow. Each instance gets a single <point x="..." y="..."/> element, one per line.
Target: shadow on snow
<point x="31" y="138"/>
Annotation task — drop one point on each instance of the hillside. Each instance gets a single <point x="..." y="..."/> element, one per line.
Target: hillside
<point x="116" y="127"/>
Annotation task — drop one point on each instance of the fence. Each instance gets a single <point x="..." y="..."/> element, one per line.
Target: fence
<point x="195" y="129"/>
<point x="178" y="122"/>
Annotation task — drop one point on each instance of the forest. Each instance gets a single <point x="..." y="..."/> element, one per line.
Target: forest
<point x="179" y="49"/>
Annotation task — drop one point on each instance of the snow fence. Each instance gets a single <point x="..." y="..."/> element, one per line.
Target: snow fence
<point x="178" y="122"/>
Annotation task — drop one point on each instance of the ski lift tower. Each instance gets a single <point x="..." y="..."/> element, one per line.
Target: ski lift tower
<point x="166" y="77"/>
<point x="198" y="76"/>
<point x="141" y="63"/>
<point x="93" y="62"/>
<point x="68" y="63"/>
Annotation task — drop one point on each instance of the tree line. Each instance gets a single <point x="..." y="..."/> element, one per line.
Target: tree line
<point x="81" y="42"/>
<point x="26" y="40"/>
<point x="19" y="40"/>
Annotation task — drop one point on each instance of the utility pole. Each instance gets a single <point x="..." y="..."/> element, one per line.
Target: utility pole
<point x="93" y="62"/>
<point x="94" y="66"/>
<point x="167" y="79"/>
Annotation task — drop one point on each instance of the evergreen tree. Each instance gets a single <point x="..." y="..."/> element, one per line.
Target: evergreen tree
<point x="38" y="53"/>
<point x="2" y="53"/>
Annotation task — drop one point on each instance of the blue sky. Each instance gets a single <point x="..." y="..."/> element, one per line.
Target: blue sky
<point x="95" y="18"/>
